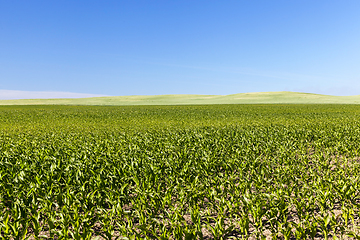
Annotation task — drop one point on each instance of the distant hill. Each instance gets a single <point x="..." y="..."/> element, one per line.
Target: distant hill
<point x="183" y="99"/>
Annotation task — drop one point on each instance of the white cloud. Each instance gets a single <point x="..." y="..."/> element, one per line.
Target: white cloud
<point x="14" y="94"/>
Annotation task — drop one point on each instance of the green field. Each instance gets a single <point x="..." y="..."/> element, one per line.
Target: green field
<point x="281" y="171"/>
<point x="241" y="98"/>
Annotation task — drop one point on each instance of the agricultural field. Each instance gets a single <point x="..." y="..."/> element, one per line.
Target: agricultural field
<point x="194" y="99"/>
<point x="180" y="172"/>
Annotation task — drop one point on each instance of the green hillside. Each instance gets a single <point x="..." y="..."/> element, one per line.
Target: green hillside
<point x="241" y="98"/>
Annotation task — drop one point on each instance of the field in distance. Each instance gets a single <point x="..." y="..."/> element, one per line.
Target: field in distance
<point x="191" y="99"/>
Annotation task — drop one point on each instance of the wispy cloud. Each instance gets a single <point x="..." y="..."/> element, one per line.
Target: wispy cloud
<point x="250" y="72"/>
<point x="14" y="94"/>
<point x="279" y="75"/>
<point x="241" y="71"/>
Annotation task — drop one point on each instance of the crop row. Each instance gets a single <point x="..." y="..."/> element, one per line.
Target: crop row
<point x="187" y="172"/>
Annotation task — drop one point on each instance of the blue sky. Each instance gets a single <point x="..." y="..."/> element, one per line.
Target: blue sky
<point x="180" y="47"/>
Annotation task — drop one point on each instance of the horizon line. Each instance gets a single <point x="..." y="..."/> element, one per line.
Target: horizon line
<point x="20" y="94"/>
<point x="23" y="95"/>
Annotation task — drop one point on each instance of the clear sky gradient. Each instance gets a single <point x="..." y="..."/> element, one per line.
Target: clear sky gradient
<point x="180" y="47"/>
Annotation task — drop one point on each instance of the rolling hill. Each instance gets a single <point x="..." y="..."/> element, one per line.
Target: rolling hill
<point x="184" y="99"/>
